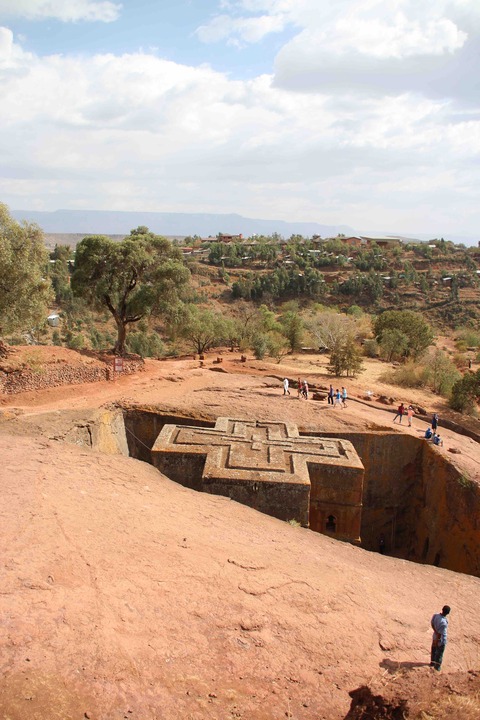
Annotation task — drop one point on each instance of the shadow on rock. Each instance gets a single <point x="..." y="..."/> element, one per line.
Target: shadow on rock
<point x="366" y="706"/>
<point x="393" y="666"/>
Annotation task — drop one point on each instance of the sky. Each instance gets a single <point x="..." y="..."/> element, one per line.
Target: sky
<point x="357" y="112"/>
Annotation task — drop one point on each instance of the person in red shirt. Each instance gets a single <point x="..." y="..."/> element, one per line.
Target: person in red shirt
<point x="400" y="413"/>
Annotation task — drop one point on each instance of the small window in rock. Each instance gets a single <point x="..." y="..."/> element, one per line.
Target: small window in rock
<point x="331" y="523"/>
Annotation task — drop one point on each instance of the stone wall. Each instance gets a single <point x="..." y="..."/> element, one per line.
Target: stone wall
<point x="24" y="380"/>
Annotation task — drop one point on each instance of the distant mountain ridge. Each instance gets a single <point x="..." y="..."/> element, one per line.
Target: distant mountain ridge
<point x="109" y="222"/>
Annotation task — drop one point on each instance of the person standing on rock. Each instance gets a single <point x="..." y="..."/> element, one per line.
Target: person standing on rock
<point x="299" y="388"/>
<point x="344" y="397"/>
<point x="400" y="413"/>
<point x="439" y="623"/>
<point x="338" y="397"/>
<point x="434" y="423"/>
<point x="286" y="390"/>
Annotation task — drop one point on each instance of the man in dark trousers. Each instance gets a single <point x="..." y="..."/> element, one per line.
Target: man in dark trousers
<point x="439" y="623"/>
<point x="400" y="412"/>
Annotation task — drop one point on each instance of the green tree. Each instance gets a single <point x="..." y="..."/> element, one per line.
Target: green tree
<point x="140" y="276"/>
<point x="292" y="328"/>
<point x="440" y="372"/>
<point x="393" y="343"/>
<point x="203" y="328"/>
<point x="466" y="393"/>
<point x="345" y="357"/>
<point x="277" y="345"/>
<point x="412" y="324"/>
<point x="25" y="293"/>
<point x="60" y="273"/>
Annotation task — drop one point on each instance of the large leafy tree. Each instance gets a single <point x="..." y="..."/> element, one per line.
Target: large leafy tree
<point x="416" y="330"/>
<point x="346" y="357"/>
<point x="140" y="276"/>
<point x="24" y="290"/>
<point x="203" y="328"/>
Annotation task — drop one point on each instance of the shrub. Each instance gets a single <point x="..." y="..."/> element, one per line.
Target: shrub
<point x="355" y="310"/>
<point x="371" y="348"/>
<point x="468" y="338"/>
<point x="99" y="340"/>
<point x="56" y="338"/>
<point x="145" y="344"/>
<point x="260" y="346"/>
<point x="407" y="376"/>
<point x="278" y="346"/>
<point x="17" y="340"/>
<point x="460" y="360"/>
<point x="75" y="342"/>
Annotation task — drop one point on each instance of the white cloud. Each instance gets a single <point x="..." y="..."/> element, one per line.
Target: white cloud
<point x="365" y="46"/>
<point x="399" y="37"/>
<point x="240" y="30"/>
<point x="382" y="28"/>
<point x="140" y="132"/>
<point x="65" y="10"/>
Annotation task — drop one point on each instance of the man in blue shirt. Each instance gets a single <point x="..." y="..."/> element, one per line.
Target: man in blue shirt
<point x="439" y="623"/>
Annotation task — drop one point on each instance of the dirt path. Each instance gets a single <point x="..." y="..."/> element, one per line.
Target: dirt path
<point x="251" y="389"/>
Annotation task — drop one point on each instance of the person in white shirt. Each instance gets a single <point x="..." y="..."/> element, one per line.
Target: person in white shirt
<point x="439" y="623"/>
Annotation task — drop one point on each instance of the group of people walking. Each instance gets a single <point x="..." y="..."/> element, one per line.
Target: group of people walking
<point x="337" y="397"/>
<point x="302" y="388"/>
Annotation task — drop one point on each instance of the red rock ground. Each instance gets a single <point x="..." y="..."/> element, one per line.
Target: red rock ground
<point x="124" y="595"/>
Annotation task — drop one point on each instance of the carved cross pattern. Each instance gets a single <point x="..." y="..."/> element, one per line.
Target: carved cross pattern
<point x="272" y="468"/>
<point x="256" y="450"/>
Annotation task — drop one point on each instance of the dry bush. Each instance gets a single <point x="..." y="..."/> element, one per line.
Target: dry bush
<point x="453" y="707"/>
<point x="460" y="360"/>
<point x="406" y="376"/>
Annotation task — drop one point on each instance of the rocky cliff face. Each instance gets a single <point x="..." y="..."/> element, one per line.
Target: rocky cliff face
<point x="448" y="527"/>
<point x="427" y="511"/>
